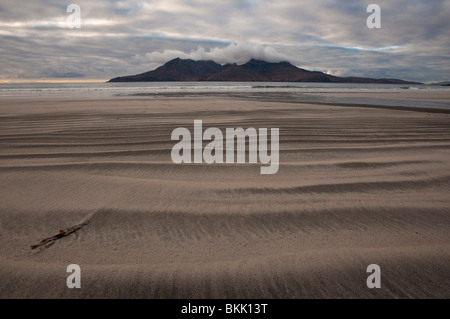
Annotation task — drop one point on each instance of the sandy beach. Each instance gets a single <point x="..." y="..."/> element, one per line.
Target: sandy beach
<point x="355" y="186"/>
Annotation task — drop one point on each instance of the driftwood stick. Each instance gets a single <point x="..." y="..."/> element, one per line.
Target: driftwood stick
<point x="62" y="233"/>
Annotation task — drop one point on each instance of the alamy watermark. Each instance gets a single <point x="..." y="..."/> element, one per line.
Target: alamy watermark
<point x="74" y="279"/>
<point x="374" y="279"/>
<point x="214" y="151"/>
<point x="73" y="21"/>
<point x="374" y="20"/>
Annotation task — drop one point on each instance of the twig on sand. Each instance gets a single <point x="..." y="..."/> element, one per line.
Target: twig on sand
<point x="62" y="233"/>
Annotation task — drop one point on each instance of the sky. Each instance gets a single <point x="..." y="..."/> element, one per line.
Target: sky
<point x="115" y="38"/>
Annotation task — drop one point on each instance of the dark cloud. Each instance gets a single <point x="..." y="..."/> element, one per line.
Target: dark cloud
<point x="126" y="37"/>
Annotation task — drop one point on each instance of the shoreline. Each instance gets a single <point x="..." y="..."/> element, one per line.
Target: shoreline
<point x="264" y="97"/>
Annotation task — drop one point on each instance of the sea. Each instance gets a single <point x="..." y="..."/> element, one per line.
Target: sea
<point x="390" y="95"/>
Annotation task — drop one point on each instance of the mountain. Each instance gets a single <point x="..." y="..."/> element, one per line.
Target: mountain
<point x="444" y="83"/>
<point x="256" y="70"/>
<point x="253" y="71"/>
<point x="176" y="70"/>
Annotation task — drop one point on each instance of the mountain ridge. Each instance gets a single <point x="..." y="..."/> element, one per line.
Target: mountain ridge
<point x="253" y="71"/>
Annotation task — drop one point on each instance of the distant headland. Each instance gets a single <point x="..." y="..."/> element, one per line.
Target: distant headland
<point x="252" y="71"/>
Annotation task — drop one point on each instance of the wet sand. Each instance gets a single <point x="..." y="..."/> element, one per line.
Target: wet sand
<point x="355" y="186"/>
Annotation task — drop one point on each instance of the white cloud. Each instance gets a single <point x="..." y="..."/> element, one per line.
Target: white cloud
<point x="233" y="53"/>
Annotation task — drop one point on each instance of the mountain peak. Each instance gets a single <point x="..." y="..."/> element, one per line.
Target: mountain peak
<point x="258" y="62"/>
<point x="253" y="60"/>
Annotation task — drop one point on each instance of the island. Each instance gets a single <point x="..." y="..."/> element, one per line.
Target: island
<point x="252" y="71"/>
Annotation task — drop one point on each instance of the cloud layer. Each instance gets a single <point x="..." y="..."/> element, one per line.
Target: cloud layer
<point x="234" y="53"/>
<point x="127" y="37"/>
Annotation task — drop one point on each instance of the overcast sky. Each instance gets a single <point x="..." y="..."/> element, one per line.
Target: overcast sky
<point x="128" y="37"/>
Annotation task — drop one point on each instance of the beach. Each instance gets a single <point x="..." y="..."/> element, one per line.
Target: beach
<point x="356" y="185"/>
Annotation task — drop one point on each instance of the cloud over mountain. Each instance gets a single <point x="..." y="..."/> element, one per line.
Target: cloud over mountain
<point x="233" y="53"/>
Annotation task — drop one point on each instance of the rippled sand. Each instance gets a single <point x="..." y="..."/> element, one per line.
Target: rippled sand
<point x="356" y="186"/>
